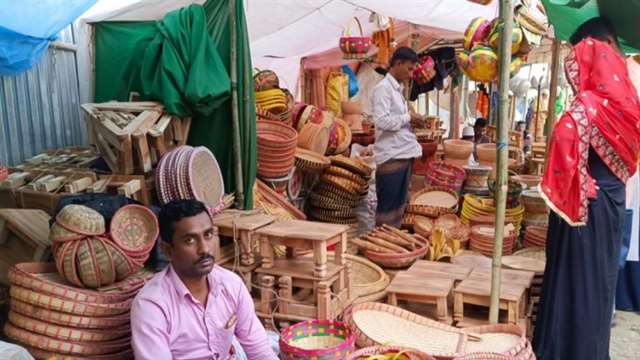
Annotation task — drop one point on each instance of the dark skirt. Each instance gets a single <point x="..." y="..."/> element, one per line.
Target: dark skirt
<point x="392" y="186"/>
<point x="628" y="289"/>
<point x="574" y="317"/>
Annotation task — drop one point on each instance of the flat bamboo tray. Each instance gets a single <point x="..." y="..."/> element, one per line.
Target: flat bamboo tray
<point x="64" y="319"/>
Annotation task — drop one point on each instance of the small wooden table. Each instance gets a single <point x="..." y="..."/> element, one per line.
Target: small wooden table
<point x="414" y="286"/>
<point x="435" y="269"/>
<point x="304" y="235"/>
<point x="476" y="290"/>
<point x="242" y="225"/>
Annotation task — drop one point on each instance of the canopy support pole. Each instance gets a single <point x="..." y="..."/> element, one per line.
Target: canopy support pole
<point x="235" y="118"/>
<point x="502" y="146"/>
<point x="553" y="91"/>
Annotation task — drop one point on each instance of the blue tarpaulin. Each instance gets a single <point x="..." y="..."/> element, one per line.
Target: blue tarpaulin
<point x="27" y="27"/>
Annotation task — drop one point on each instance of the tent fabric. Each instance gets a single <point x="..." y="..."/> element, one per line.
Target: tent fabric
<point x="27" y="27"/>
<point x="211" y="128"/>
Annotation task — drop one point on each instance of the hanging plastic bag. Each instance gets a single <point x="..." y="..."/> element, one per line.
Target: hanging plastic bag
<point x="353" y="81"/>
<point x="337" y="92"/>
<point x="366" y="211"/>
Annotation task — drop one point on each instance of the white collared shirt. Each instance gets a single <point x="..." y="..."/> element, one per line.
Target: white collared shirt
<point x="394" y="137"/>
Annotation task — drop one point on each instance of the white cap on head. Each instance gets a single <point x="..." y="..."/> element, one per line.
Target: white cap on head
<point x="468" y="131"/>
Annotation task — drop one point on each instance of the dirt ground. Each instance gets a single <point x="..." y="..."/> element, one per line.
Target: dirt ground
<point x="625" y="336"/>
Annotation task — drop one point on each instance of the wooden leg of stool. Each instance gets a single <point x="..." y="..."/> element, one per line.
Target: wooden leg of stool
<point x="441" y="307"/>
<point x="512" y="312"/>
<point x="324" y="301"/>
<point x="266" y="293"/>
<point x="285" y="293"/>
<point x="458" y="306"/>
<point x="392" y="299"/>
<point x="266" y="251"/>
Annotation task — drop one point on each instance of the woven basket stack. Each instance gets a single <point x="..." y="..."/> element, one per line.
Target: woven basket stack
<point x="86" y="255"/>
<point x="430" y="202"/>
<point x="482" y="239"/>
<point x="276" y="148"/>
<point x="445" y="175"/>
<point x="272" y="102"/>
<point x="338" y="193"/>
<point x="50" y="318"/>
<point x="535" y="236"/>
<point x="481" y="210"/>
<point x="189" y="172"/>
<point x="536" y="211"/>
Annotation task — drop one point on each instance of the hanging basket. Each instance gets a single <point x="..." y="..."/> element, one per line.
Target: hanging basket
<point x="354" y="47"/>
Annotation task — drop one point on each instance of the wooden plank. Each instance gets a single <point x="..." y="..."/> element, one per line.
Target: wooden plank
<point x="107" y="154"/>
<point x="125" y="156"/>
<point x="136" y="106"/>
<point x="99" y="186"/>
<point x="482" y="288"/>
<point x="178" y="135"/>
<point x="141" y="148"/>
<point x="143" y="121"/>
<point x="161" y="126"/>
<point x="15" y="180"/>
<point x="458" y="272"/>
<point x="115" y="181"/>
<point x="78" y="185"/>
<point x="518" y="277"/>
<point x="28" y="224"/>
<point x="404" y="283"/>
<point x="249" y="222"/>
<point x="52" y="184"/>
<point x="130" y="188"/>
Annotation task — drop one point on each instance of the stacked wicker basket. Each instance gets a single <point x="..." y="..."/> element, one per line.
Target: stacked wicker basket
<point x="341" y="187"/>
<point x="50" y="318"/>
<point x="445" y="175"/>
<point x="87" y="256"/>
<point x="277" y="144"/>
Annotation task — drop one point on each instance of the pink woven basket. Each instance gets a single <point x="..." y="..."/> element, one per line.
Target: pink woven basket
<point x="317" y="340"/>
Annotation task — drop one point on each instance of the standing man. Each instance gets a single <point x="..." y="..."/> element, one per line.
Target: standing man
<point x="193" y="308"/>
<point x="396" y="145"/>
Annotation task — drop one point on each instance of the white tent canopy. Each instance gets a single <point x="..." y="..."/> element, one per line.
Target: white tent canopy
<point x="282" y="32"/>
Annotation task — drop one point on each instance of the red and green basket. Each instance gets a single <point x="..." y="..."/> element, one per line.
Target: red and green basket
<point x="317" y="340"/>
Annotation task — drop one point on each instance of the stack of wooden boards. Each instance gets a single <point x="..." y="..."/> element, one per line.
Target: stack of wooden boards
<point x="133" y="136"/>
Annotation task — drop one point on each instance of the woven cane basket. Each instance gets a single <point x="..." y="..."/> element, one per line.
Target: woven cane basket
<point x="74" y="321"/>
<point x="354" y="165"/>
<point x="65" y="347"/>
<point x="506" y="339"/>
<point x="397" y="260"/>
<point x="66" y="333"/>
<point x="378" y="324"/>
<point x="81" y="219"/>
<point x="317" y="340"/>
<point x="399" y="352"/>
<point x="58" y="233"/>
<point x="48" y="355"/>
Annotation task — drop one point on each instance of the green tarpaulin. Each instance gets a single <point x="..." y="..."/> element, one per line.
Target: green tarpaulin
<point x="183" y="61"/>
<point x="567" y="15"/>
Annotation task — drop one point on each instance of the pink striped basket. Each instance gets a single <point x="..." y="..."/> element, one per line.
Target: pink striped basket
<point x="317" y="340"/>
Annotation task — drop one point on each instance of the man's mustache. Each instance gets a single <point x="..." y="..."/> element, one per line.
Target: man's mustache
<point x="203" y="258"/>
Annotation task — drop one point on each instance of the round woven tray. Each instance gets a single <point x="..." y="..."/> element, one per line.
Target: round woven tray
<point x="354" y="165"/>
<point x="397" y="260"/>
<point x="43" y="354"/>
<point x="433" y="202"/>
<point x="329" y="219"/>
<point x="504" y="339"/>
<point x="134" y="228"/>
<point x="345" y="140"/>
<point x="343" y="173"/>
<point x="378" y="324"/>
<point x="335" y="193"/>
<point x="319" y="200"/>
<point x="343" y="184"/>
<point x="533" y="253"/>
<point x="524" y="263"/>
<point x="81" y="220"/>
<point x="310" y="161"/>
<point x="65" y="347"/>
<point x="68" y="306"/>
<point x="74" y="321"/>
<point x="66" y="333"/>
<point x="205" y="178"/>
<point x="43" y="278"/>
<point x="367" y="278"/>
<point x="347" y="214"/>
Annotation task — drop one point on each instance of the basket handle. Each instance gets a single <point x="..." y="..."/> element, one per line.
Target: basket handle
<point x="347" y="31"/>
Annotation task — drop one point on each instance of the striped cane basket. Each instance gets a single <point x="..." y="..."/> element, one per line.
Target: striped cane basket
<point x="317" y="340"/>
<point x="47" y="355"/>
<point x="396" y="352"/>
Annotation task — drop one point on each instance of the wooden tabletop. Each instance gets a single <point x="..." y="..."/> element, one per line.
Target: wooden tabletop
<point x="247" y="221"/>
<point x="406" y="283"/>
<point x="482" y="287"/>
<point x="518" y="277"/>
<point x="301" y="229"/>
<point x="28" y="224"/>
<point x="435" y="269"/>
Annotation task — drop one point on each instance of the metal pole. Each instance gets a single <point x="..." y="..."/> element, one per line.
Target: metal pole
<point x="553" y="91"/>
<point x="506" y="16"/>
<point x="235" y="118"/>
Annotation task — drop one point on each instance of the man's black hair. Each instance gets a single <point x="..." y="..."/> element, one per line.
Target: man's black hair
<point x="599" y="28"/>
<point x="176" y="211"/>
<point x="403" y="54"/>
<point x="480" y="122"/>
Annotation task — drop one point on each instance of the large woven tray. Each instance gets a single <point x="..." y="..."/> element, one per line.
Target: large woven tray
<point x="64" y="319"/>
<point x="379" y="324"/>
<point x="65" y="347"/>
<point x="48" y="355"/>
<point x="68" y="306"/>
<point x="66" y="333"/>
<point x="506" y="339"/>
<point x="366" y="353"/>
<point x="43" y="278"/>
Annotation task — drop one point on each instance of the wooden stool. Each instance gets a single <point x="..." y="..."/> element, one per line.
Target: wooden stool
<point x="417" y="288"/>
<point x="476" y="290"/>
<point x="244" y="271"/>
<point x="242" y="225"/>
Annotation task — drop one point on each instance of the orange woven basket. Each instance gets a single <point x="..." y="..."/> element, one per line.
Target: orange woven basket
<point x="134" y="228"/>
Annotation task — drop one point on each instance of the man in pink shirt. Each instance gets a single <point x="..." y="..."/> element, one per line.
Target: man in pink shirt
<point x="192" y="309"/>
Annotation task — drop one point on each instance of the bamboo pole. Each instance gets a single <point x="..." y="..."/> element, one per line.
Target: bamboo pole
<point x="235" y="118"/>
<point x="454" y="112"/>
<point x="553" y="91"/>
<point x="506" y="17"/>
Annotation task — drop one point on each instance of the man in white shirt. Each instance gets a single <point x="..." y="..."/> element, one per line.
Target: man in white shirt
<point x="396" y="145"/>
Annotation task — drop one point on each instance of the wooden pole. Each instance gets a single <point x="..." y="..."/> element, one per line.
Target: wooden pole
<point x="506" y="17"/>
<point x="235" y="118"/>
<point x="553" y="91"/>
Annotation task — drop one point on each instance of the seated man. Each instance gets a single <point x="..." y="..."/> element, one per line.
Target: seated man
<point x="192" y="309"/>
<point x="480" y="131"/>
